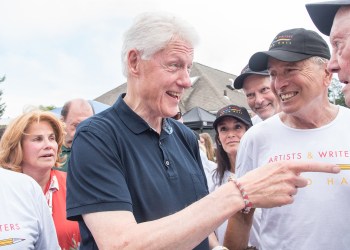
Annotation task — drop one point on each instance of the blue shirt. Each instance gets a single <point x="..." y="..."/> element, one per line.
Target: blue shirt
<point x="119" y="163"/>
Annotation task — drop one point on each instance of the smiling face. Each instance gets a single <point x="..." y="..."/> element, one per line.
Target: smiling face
<point x="340" y="56"/>
<point x="260" y="98"/>
<point x="39" y="147"/>
<point x="299" y="85"/>
<point x="157" y="84"/>
<point x="230" y="131"/>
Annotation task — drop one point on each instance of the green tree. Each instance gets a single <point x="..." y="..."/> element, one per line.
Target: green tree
<point x="2" y="105"/>
<point x="47" y="108"/>
<point x="335" y="95"/>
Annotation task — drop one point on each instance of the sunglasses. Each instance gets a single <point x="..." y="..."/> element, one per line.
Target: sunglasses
<point x="177" y="116"/>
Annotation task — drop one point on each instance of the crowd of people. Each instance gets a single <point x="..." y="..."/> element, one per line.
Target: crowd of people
<point x="135" y="177"/>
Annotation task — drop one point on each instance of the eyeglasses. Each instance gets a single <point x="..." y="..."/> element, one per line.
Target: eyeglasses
<point x="177" y="116"/>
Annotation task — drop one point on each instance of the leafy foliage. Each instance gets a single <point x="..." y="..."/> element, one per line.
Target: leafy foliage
<point x="335" y="94"/>
<point x="2" y="105"/>
<point x="47" y="108"/>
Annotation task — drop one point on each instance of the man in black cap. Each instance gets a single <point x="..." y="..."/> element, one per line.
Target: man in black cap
<point x="260" y="98"/>
<point x="308" y="127"/>
<point x="332" y="18"/>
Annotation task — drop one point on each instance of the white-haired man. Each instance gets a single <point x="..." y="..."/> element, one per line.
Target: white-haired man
<point x="332" y="18"/>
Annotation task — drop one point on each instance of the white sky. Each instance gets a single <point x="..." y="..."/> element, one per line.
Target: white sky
<point x="55" y="50"/>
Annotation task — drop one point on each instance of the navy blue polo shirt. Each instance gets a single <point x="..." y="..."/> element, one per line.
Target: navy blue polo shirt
<point x="118" y="162"/>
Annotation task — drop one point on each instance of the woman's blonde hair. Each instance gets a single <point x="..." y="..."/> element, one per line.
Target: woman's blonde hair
<point x="11" y="151"/>
<point x="209" y="146"/>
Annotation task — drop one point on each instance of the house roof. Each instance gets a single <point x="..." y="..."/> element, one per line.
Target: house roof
<point x="211" y="90"/>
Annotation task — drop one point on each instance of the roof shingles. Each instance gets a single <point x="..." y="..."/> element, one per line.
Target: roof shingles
<point x="207" y="92"/>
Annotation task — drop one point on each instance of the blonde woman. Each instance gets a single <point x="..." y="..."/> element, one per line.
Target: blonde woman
<point x="207" y="142"/>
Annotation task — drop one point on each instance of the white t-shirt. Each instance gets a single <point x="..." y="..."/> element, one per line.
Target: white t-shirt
<point x="256" y="119"/>
<point x="319" y="217"/>
<point x="25" y="219"/>
<point x="209" y="168"/>
<point x="221" y="230"/>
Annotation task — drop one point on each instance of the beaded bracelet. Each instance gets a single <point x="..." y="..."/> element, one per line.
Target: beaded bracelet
<point x="220" y="248"/>
<point x="247" y="204"/>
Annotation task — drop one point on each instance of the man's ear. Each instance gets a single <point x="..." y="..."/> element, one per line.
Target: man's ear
<point x="133" y="61"/>
<point x="328" y="77"/>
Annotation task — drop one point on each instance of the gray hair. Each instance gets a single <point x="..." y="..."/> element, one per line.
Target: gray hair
<point x="152" y="31"/>
<point x="319" y="60"/>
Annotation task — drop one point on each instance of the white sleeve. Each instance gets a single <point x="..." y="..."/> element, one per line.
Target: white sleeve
<point x="47" y="235"/>
<point x="244" y="160"/>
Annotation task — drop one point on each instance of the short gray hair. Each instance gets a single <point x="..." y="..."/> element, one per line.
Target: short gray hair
<point x="319" y="60"/>
<point x="152" y="31"/>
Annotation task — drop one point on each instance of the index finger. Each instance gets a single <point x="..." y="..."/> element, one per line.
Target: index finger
<point x="313" y="166"/>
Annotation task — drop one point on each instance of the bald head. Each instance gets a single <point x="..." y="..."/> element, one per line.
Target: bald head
<point x="74" y="112"/>
<point x="75" y="104"/>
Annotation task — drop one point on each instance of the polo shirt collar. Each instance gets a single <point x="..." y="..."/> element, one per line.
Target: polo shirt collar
<point x="65" y="149"/>
<point x="133" y="121"/>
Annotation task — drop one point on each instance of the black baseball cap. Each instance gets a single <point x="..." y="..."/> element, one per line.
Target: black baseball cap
<point x="323" y="13"/>
<point x="235" y="111"/>
<point x="239" y="81"/>
<point x="291" y="45"/>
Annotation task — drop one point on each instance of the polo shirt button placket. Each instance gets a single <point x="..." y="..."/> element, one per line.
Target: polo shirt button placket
<point x="167" y="163"/>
